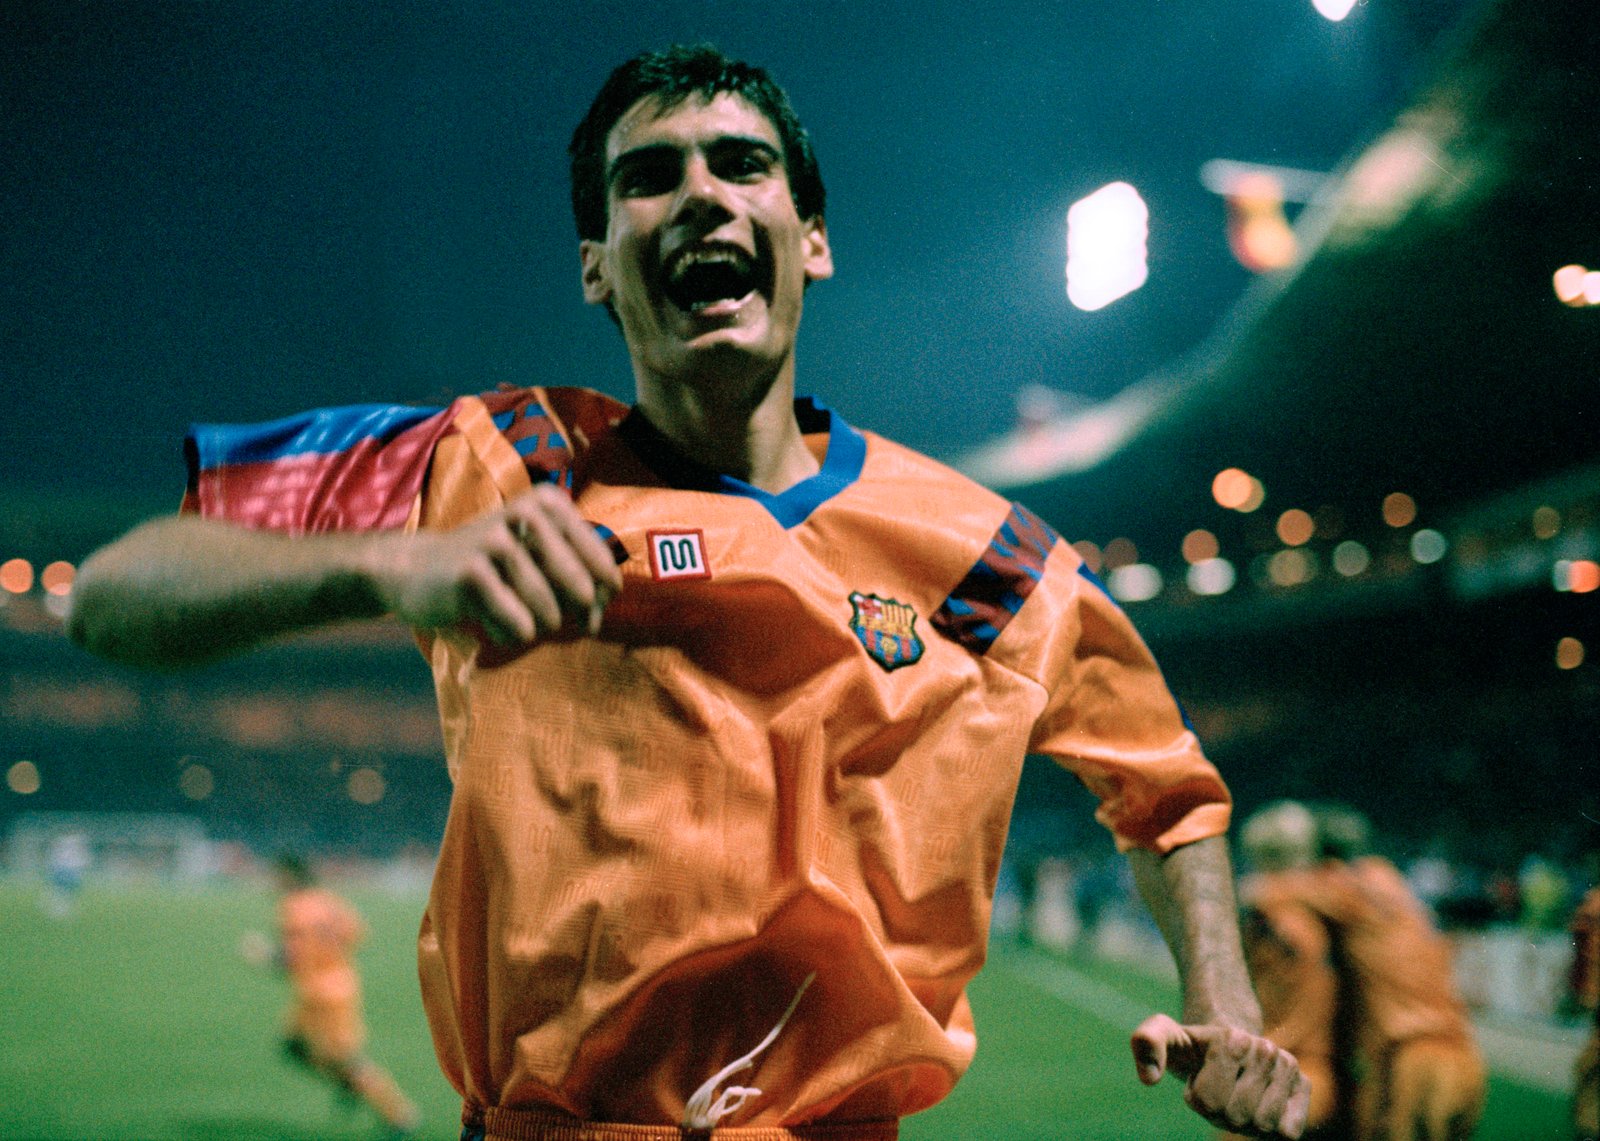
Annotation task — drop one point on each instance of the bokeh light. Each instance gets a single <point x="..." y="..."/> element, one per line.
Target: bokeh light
<point x="1200" y="545"/>
<point x="1293" y="567"/>
<point x="1569" y="653"/>
<point x="1334" y="10"/>
<point x="366" y="786"/>
<point x="1568" y="282"/>
<point x="1428" y="546"/>
<point x="1399" y="509"/>
<point x="1211" y="577"/>
<point x="1090" y="554"/>
<point x="1136" y="582"/>
<point x="1121" y="553"/>
<point x="57" y="578"/>
<point x="1237" y="490"/>
<point x="1295" y="527"/>
<point x="196" y="782"/>
<point x="1546" y="522"/>
<point x="1350" y="558"/>
<point x="1577" y="576"/>
<point x="16" y="576"/>
<point x="22" y="778"/>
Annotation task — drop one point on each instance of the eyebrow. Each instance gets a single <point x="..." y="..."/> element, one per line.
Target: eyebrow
<point x="720" y="143"/>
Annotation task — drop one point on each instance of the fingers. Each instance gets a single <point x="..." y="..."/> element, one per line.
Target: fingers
<point x="507" y="579"/>
<point x="1238" y="1081"/>
<point x="568" y="570"/>
<point x="566" y="552"/>
<point x="1151" y="1042"/>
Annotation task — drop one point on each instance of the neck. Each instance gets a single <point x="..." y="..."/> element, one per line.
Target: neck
<point x="750" y="436"/>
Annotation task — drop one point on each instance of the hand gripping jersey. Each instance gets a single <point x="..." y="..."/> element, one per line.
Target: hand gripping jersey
<point x="790" y="754"/>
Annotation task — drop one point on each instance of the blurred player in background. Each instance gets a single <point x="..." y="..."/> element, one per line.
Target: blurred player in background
<point x="1585" y="980"/>
<point x="324" y="1030"/>
<point x="735" y="696"/>
<point x="1419" y="1074"/>
<point x="66" y="863"/>
<point x="1289" y="951"/>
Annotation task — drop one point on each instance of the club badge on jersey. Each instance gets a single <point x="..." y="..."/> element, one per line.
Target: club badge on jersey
<point x="886" y="629"/>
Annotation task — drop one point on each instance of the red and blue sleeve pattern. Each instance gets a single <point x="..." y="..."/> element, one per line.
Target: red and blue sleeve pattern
<point x="984" y="602"/>
<point x="354" y="468"/>
<point x="529" y="428"/>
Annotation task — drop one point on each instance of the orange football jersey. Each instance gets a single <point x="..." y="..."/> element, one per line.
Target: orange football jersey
<point x="320" y="933"/>
<point x="1401" y="966"/>
<point x="790" y="754"/>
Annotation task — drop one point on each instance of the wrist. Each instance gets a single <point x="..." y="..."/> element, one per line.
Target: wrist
<point x="356" y="585"/>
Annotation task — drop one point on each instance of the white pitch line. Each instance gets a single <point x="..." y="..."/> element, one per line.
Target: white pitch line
<point x="1542" y="1060"/>
<point x="1075" y="989"/>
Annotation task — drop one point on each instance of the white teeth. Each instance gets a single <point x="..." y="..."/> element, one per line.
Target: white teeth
<point x="695" y="257"/>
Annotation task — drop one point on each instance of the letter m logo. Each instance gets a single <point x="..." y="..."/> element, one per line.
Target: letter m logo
<point x="677" y="555"/>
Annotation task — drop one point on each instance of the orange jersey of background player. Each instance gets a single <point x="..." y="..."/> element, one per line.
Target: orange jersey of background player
<point x="1586" y="951"/>
<point x="319" y="934"/>
<point x="1586" y="990"/>
<point x="1401" y="965"/>
<point x="790" y="754"/>
<point x="1422" y="1074"/>
<point x="1287" y="950"/>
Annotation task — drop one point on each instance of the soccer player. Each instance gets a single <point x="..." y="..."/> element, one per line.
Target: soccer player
<point x="318" y="933"/>
<point x="1288" y="949"/>
<point x="735" y="695"/>
<point x="1421" y="1076"/>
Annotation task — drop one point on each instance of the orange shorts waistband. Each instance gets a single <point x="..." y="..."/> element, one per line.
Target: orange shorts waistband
<point x="491" y="1123"/>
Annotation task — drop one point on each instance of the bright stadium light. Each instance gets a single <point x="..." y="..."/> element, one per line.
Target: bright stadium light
<point x="1106" y="246"/>
<point x="1136" y="582"/>
<point x="1334" y="10"/>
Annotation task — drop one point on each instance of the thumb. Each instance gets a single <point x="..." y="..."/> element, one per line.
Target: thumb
<point x="1151" y="1042"/>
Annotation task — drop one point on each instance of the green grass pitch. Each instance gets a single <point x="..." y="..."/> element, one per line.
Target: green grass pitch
<point x="136" y="1020"/>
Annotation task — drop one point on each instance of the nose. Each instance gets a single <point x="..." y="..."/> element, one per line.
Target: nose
<point x="702" y="196"/>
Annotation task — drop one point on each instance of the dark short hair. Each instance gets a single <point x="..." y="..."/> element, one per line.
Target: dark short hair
<point x="671" y="76"/>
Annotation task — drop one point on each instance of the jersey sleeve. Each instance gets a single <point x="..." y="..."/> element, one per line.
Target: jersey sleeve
<point x="354" y="468"/>
<point x="1109" y="717"/>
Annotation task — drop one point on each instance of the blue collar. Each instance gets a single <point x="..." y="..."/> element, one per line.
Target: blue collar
<point x="847" y="452"/>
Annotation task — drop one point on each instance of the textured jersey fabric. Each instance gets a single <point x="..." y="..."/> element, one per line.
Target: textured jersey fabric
<point x="791" y="753"/>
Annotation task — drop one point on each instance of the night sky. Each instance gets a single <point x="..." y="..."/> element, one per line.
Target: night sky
<point x="232" y="211"/>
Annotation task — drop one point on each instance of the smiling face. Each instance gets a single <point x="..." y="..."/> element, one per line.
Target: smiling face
<point x="705" y="257"/>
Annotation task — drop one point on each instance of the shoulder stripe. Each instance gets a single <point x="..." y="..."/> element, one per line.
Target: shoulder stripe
<point x="993" y="591"/>
<point x="317" y="432"/>
<point x="358" y="468"/>
<point x="534" y="432"/>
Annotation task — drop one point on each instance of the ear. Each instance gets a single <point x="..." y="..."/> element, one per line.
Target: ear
<point x="818" y="257"/>
<point x="596" y="286"/>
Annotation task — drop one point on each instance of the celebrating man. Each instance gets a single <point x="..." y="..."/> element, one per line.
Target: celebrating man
<point x="735" y="696"/>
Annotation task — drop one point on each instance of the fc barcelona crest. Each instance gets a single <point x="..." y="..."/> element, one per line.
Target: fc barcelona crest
<point x="887" y="630"/>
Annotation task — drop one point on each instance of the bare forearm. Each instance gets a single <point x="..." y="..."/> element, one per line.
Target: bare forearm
<point x="1190" y="893"/>
<point x="182" y="590"/>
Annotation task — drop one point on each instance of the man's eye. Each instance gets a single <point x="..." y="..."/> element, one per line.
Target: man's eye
<point x="646" y="179"/>
<point x="750" y="164"/>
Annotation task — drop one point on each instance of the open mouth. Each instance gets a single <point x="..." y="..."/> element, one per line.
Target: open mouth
<point x="700" y="277"/>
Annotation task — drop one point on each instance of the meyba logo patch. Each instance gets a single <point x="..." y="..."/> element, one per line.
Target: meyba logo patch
<point x="886" y="629"/>
<point x="677" y="555"/>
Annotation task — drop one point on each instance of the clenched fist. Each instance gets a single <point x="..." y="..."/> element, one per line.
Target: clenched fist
<point x="1236" y="1080"/>
<point x="519" y="574"/>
